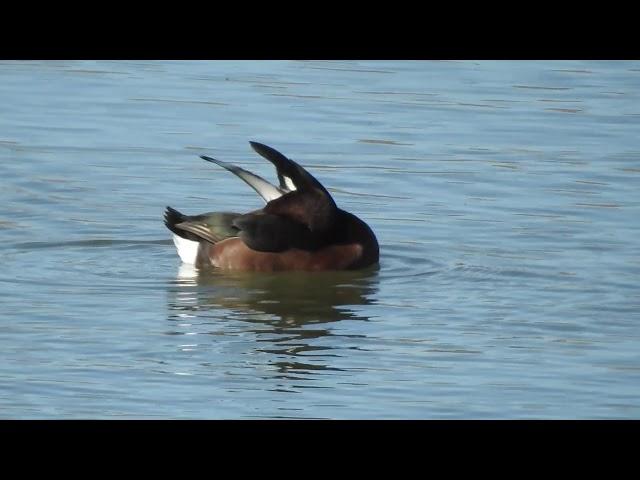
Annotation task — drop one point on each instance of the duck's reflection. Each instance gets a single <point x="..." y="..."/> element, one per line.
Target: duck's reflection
<point x="287" y="312"/>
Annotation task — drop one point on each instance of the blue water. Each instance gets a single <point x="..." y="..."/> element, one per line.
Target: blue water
<point x="505" y="196"/>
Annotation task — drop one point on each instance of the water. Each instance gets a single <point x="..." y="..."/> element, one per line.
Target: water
<point x="505" y="196"/>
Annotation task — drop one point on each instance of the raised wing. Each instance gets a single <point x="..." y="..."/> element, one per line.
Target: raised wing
<point x="265" y="189"/>
<point x="291" y="175"/>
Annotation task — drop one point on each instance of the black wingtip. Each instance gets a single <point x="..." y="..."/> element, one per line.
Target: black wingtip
<point x="268" y="152"/>
<point x="208" y="159"/>
<point x="256" y="145"/>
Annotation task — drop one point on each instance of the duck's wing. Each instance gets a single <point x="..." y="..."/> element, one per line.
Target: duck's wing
<point x="291" y="175"/>
<point x="307" y="202"/>
<point x="265" y="189"/>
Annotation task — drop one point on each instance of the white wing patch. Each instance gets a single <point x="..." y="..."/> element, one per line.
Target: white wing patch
<point x="289" y="183"/>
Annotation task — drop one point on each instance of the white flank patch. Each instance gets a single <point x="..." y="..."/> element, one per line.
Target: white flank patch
<point x="187" y="249"/>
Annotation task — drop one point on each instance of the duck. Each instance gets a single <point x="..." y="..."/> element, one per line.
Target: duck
<point x="299" y="229"/>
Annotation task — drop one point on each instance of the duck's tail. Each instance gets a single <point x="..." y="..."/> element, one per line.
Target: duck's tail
<point x="187" y="244"/>
<point x="172" y="217"/>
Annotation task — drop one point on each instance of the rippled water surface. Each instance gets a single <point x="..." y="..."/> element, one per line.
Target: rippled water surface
<point x="505" y="196"/>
